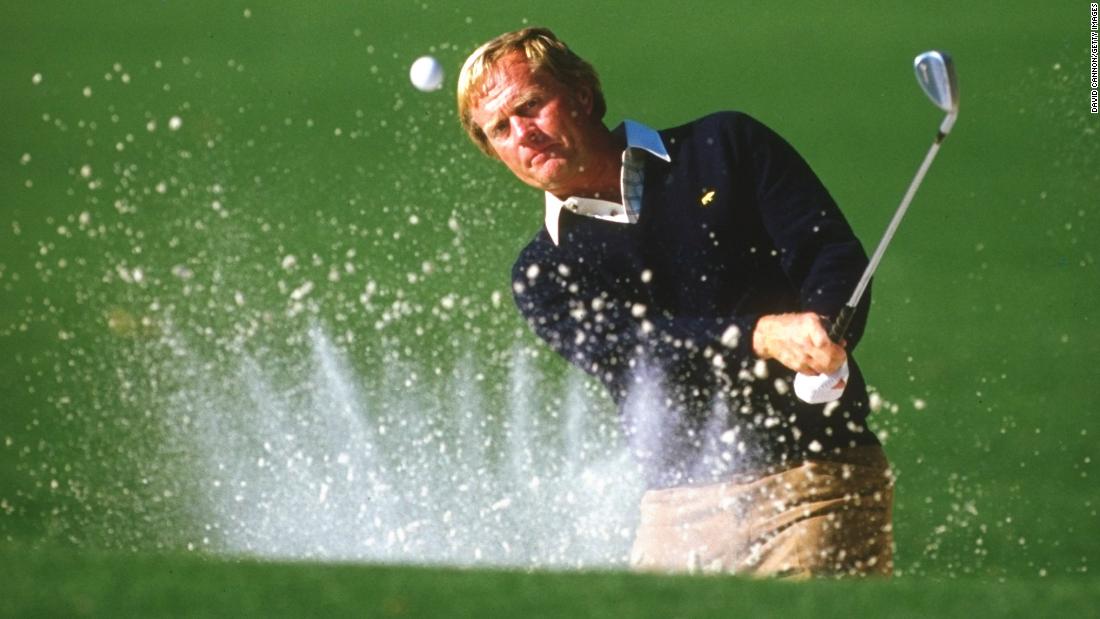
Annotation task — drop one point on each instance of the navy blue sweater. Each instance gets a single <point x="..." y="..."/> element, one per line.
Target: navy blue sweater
<point x="734" y="227"/>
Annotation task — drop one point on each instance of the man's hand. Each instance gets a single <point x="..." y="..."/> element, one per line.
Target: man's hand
<point x="798" y="341"/>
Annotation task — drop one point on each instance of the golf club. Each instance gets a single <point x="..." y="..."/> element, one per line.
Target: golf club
<point x="936" y="76"/>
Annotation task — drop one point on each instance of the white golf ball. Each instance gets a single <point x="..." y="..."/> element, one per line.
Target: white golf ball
<point x="426" y="74"/>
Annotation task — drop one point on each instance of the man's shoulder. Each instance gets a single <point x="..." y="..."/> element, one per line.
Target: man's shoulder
<point x="725" y="119"/>
<point x="538" y="250"/>
<point x="707" y="130"/>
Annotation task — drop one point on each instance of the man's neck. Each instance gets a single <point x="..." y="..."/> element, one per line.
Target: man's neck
<point x="602" y="181"/>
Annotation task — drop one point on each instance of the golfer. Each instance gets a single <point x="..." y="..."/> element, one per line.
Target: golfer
<point x="689" y="270"/>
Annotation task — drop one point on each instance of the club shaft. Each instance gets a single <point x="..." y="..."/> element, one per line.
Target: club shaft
<point x="895" y="222"/>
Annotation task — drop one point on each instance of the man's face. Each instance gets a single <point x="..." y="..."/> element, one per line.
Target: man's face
<point x="536" y="127"/>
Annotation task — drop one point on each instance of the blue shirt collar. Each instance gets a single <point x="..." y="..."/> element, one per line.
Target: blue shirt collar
<point x="645" y="138"/>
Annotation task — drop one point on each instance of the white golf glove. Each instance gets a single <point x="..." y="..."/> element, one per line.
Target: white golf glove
<point x="821" y="388"/>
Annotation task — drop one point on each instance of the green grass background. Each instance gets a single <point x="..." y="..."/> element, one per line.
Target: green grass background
<point x="298" y="120"/>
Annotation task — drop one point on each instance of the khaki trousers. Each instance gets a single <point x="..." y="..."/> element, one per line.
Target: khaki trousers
<point x="816" y="518"/>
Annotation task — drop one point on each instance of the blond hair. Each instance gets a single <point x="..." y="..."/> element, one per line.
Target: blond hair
<point x="544" y="52"/>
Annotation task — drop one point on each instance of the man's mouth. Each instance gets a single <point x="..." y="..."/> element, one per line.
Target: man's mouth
<point x="542" y="156"/>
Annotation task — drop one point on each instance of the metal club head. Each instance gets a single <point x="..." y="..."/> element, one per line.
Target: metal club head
<point x="936" y="76"/>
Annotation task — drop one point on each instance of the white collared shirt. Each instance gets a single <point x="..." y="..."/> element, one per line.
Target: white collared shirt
<point x="631" y="179"/>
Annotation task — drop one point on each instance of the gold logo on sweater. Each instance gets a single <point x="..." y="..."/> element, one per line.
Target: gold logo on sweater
<point x="707" y="198"/>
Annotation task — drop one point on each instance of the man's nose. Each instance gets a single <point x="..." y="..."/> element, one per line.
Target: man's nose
<point x="525" y="130"/>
